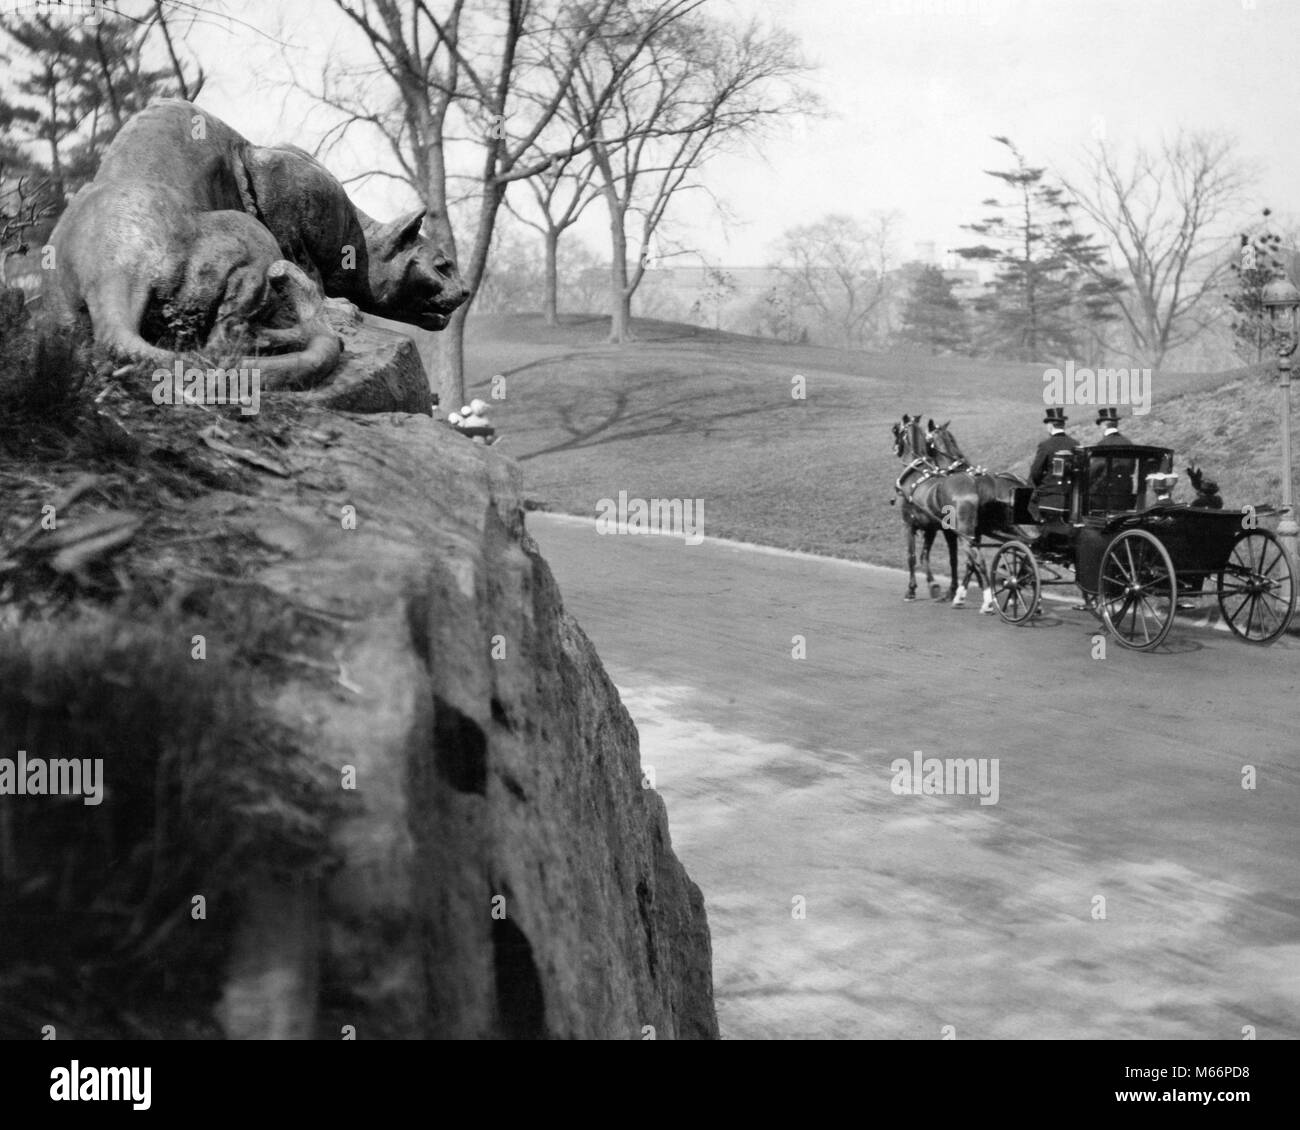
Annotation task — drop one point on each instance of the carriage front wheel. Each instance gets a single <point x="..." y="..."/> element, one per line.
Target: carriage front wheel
<point x="1016" y="584"/>
<point x="1257" y="587"/>
<point x="1137" y="590"/>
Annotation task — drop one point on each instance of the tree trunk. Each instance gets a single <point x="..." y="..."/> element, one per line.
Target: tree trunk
<point x="620" y="294"/>
<point x="56" y="161"/>
<point x="551" y="308"/>
<point x="620" y="322"/>
<point x="451" y="357"/>
<point x="451" y="364"/>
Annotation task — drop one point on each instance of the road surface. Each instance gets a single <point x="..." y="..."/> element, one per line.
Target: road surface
<point x="1125" y="885"/>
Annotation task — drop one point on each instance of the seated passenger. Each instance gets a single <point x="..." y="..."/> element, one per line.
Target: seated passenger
<point x="1111" y="483"/>
<point x="1158" y="491"/>
<point x="1207" y="491"/>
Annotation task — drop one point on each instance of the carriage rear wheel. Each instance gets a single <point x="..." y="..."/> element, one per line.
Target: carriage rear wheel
<point x="1257" y="587"/>
<point x="1016" y="584"/>
<point x="1137" y="590"/>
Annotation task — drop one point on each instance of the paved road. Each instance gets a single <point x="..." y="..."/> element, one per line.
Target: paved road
<point x="1119" y="779"/>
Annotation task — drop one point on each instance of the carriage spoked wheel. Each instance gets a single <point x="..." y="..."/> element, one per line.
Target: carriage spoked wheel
<point x="1016" y="584"/>
<point x="1257" y="587"/>
<point x="1137" y="590"/>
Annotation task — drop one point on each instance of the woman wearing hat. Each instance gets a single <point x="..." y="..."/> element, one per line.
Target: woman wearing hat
<point x="1108" y="421"/>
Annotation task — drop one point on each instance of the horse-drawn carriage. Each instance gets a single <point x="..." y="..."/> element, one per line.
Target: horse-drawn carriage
<point x="1105" y="523"/>
<point x="1136" y="555"/>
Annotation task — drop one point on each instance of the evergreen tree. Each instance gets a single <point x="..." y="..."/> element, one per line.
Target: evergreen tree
<point x="932" y="316"/>
<point x="26" y="194"/>
<point x="1260" y="260"/>
<point x="74" y="87"/>
<point x="1041" y="303"/>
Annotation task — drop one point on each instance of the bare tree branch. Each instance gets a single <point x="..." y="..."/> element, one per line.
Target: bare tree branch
<point x="1162" y="215"/>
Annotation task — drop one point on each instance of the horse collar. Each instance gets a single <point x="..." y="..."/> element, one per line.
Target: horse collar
<point x="928" y="471"/>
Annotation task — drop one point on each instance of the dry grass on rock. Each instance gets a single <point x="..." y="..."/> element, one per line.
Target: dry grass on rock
<point x="98" y="618"/>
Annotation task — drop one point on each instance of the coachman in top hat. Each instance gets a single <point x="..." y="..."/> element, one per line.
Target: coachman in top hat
<point x="1049" y="497"/>
<point x="1056" y="440"/>
<point x="1108" y="421"/>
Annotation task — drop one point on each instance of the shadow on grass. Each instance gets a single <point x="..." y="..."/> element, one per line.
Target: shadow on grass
<point x="682" y="416"/>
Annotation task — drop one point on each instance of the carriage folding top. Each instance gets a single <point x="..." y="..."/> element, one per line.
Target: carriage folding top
<point x="1106" y="514"/>
<point x="1111" y="479"/>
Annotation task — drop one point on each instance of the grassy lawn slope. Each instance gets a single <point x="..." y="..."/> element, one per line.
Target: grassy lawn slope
<point x="685" y="412"/>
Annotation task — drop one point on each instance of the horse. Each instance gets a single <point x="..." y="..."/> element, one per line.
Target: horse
<point x="996" y="489"/>
<point x="937" y="501"/>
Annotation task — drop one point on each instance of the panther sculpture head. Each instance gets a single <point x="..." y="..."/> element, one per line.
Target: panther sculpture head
<point x="412" y="279"/>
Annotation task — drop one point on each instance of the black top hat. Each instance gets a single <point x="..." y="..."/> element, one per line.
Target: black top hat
<point x="1055" y="416"/>
<point x="1108" y="416"/>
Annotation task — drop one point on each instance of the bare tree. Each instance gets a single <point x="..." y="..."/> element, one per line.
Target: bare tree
<point x="514" y="280"/>
<point x="719" y="287"/>
<point x="26" y="202"/>
<point x="561" y="193"/>
<point x="187" y="86"/>
<point x="500" y="70"/>
<point x="1162" y="214"/>
<point x="840" y="266"/>
<point x="693" y="91"/>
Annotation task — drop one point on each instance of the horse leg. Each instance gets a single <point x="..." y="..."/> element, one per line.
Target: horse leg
<point x="966" y="576"/>
<point x="975" y="567"/>
<point x="927" y="544"/>
<point x="909" y="534"/>
<point x="956" y="591"/>
<point x="987" y="606"/>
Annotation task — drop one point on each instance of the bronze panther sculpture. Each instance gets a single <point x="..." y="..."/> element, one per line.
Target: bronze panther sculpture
<point x="160" y="227"/>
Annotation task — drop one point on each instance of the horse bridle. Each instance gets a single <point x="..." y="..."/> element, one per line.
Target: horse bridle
<point x="920" y="462"/>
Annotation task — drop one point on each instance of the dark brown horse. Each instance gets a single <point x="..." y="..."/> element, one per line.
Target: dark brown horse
<point x="996" y="489"/>
<point x="937" y="501"/>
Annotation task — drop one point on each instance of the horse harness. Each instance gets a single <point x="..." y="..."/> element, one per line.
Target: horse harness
<point x="930" y="470"/>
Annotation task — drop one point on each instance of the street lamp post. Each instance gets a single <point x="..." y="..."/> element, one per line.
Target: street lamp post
<point x="1282" y="301"/>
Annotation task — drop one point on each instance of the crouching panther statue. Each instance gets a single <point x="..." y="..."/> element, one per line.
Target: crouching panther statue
<point x="187" y="224"/>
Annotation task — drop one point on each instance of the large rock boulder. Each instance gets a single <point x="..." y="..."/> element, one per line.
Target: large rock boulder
<point x="424" y="810"/>
<point x="380" y="369"/>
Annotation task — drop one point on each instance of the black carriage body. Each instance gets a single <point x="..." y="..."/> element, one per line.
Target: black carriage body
<point x="1109" y="492"/>
<point x="1198" y="541"/>
<point x="1136" y="556"/>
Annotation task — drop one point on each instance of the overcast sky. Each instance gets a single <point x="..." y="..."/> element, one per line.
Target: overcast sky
<point x="916" y="89"/>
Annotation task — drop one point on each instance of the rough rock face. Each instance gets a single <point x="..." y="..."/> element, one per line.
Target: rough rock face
<point x="380" y="370"/>
<point x="504" y="872"/>
<point x="440" y="786"/>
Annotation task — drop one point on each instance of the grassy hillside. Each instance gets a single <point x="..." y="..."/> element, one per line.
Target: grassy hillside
<point x="690" y="413"/>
